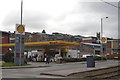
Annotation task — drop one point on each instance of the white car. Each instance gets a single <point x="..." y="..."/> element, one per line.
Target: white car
<point x="85" y="55"/>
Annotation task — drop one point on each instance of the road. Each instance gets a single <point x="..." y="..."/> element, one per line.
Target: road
<point x="35" y="72"/>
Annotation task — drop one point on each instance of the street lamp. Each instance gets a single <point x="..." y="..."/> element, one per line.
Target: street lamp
<point x="101" y="35"/>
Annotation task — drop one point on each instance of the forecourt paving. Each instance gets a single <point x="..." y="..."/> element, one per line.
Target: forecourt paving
<point x="67" y="72"/>
<point x="53" y="70"/>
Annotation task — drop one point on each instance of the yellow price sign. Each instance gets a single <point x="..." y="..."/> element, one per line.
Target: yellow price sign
<point x="20" y="29"/>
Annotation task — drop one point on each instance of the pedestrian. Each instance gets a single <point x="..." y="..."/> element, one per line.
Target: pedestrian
<point x="36" y="55"/>
<point x="47" y="60"/>
<point x="30" y="58"/>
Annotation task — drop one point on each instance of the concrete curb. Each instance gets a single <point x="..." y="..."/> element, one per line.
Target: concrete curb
<point x="17" y="67"/>
<point x="53" y="74"/>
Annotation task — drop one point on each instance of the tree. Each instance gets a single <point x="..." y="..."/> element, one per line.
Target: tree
<point x="44" y="31"/>
<point x="9" y="57"/>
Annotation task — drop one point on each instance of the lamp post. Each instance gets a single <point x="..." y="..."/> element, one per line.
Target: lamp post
<point x="101" y="35"/>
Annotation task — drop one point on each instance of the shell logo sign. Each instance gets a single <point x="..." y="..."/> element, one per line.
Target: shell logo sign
<point x="53" y="42"/>
<point x="20" y="29"/>
<point x="104" y="40"/>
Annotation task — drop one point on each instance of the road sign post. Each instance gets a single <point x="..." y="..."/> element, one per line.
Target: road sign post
<point x="19" y="44"/>
<point x="103" y="42"/>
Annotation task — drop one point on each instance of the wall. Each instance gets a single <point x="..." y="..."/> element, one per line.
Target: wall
<point x="73" y="53"/>
<point x="5" y="39"/>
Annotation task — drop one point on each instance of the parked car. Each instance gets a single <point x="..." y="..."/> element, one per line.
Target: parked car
<point x="85" y="55"/>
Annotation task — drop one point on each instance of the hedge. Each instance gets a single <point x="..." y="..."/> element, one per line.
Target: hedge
<point x="73" y="59"/>
<point x="96" y="58"/>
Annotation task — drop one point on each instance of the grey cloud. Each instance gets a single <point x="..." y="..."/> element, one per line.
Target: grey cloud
<point x="88" y="29"/>
<point x="36" y="20"/>
<point x="11" y="19"/>
<point x="61" y="18"/>
<point x="105" y="9"/>
<point x="32" y="19"/>
<point x="98" y="7"/>
<point x="102" y="9"/>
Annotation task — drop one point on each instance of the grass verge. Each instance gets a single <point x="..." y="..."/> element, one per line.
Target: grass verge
<point x="10" y="64"/>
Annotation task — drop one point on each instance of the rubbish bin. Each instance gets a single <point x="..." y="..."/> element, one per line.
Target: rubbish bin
<point x="90" y="61"/>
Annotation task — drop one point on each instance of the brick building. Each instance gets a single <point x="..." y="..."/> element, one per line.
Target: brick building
<point x="12" y="38"/>
<point x="4" y="38"/>
<point x="114" y="48"/>
<point x="89" y="39"/>
<point x="89" y="48"/>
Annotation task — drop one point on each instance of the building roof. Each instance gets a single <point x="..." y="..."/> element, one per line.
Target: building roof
<point x="4" y="32"/>
<point x="91" y="44"/>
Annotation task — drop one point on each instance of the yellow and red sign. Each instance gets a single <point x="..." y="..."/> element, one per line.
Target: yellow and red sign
<point x="20" y="29"/>
<point x="104" y="40"/>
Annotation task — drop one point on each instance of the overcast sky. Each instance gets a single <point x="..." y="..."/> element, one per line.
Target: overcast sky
<point x="64" y="16"/>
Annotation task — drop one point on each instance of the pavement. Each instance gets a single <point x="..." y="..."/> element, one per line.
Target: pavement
<point x="67" y="72"/>
<point x="37" y="65"/>
<point x="30" y="65"/>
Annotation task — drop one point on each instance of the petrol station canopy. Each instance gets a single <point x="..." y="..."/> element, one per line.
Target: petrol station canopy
<point x="44" y="44"/>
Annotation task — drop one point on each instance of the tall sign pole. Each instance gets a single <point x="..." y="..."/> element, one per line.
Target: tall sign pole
<point x="21" y="10"/>
<point x="101" y="36"/>
<point x="103" y="40"/>
<point x="19" y="41"/>
<point x="21" y="33"/>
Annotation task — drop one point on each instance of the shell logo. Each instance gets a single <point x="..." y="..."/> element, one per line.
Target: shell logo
<point x="104" y="40"/>
<point x="21" y="29"/>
